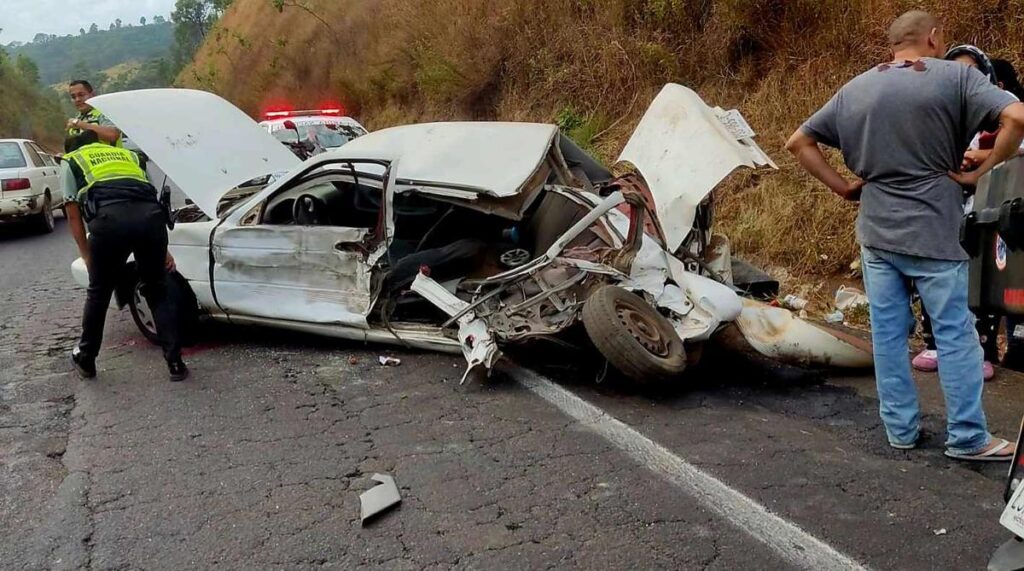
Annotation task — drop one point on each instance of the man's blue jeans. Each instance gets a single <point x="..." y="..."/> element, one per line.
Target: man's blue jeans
<point x="942" y="285"/>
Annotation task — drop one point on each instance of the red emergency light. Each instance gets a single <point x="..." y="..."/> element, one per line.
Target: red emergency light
<point x="303" y="113"/>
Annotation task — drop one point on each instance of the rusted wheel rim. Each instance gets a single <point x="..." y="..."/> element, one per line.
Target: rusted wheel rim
<point x="643" y="328"/>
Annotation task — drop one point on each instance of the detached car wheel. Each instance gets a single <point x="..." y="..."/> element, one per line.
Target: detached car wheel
<point x="633" y="336"/>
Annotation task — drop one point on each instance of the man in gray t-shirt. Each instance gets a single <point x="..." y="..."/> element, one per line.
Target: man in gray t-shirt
<point x="903" y="127"/>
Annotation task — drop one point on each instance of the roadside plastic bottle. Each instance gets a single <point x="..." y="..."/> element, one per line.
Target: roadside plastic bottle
<point x="794" y="302"/>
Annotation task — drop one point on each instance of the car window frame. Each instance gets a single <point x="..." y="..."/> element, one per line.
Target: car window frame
<point x="33" y="156"/>
<point x="312" y="179"/>
<point x="48" y="160"/>
<point x="384" y="229"/>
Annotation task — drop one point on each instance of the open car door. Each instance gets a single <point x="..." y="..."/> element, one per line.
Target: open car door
<point x="315" y="268"/>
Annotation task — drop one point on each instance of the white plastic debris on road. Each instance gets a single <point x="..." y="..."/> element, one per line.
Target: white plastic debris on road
<point x="379" y="498"/>
<point x="389" y="361"/>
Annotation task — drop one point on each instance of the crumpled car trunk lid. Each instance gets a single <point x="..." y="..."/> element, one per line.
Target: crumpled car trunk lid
<point x="683" y="151"/>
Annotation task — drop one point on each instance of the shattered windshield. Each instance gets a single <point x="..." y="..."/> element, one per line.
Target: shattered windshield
<point x="325" y="136"/>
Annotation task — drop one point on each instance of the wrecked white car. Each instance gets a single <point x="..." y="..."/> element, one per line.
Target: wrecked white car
<point x="461" y="237"/>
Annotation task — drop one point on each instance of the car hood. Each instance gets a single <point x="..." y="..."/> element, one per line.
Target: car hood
<point x="206" y="145"/>
<point x="683" y="151"/>
<point x="491" y="158"/>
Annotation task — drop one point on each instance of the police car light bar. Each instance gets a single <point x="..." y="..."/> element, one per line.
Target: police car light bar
<point x="278" y="114"/>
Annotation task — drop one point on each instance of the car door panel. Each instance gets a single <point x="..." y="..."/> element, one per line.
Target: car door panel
<point x="51" y="173"/>
<point x="304" y="273"/>
<point x="313" y="274"/>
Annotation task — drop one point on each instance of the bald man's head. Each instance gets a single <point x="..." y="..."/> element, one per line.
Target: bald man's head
<point x="917" y="29"/>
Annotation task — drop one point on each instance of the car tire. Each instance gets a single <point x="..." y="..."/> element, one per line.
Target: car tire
<point x="43" y="221"/>
<point x="178" y="293"/>
<point x="142" y="315"/>
<point x="637" y="341"/>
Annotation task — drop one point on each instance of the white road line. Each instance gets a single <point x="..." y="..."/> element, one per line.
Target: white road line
<point x="793" y="544"/>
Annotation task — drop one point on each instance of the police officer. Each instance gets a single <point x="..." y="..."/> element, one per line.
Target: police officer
<point x="108" y="188"/>
<point x="89" y="118"/>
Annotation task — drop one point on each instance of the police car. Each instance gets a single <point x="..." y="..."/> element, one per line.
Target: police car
<point x="312" y="132"/>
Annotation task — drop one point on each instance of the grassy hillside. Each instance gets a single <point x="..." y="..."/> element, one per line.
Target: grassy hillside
<point x="592" y="65"/>
<point x="27" y="108"/>
<point x="70" y="57"/>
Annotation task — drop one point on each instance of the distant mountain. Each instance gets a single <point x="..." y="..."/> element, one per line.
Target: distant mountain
<point x="84" y="56"/>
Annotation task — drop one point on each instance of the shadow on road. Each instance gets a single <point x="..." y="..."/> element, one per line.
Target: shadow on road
<point x="21" y="230"/>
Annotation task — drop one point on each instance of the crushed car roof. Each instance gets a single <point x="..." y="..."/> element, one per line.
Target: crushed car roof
<point x="492" y="158"/>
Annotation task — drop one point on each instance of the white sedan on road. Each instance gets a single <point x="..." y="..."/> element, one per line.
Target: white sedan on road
<point x="462" y="236"/>
<point x="29" y="183"/>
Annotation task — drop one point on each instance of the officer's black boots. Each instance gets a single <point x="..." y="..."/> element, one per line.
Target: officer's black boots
<point x="178" y="370"/>
<point x="86" y="366"/>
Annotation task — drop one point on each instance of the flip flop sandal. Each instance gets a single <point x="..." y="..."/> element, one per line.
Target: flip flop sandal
<point x="990" y="455"/>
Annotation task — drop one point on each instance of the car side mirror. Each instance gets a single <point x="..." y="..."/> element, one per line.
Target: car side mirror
<point x="290" y="125"/>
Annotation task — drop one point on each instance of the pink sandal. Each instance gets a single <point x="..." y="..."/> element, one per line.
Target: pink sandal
<point x="926" y="361"/>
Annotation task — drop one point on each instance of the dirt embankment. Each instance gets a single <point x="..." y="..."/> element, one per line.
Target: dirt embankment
<point x="591" y="66"/>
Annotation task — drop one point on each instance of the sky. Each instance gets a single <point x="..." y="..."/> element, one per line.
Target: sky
<point x="23" y="19"/>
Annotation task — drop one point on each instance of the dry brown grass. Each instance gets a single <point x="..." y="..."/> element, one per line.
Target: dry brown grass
<point x="598" y="62"/>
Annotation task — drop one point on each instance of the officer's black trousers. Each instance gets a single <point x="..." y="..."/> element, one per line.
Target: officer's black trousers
<point x="118" y="230"/>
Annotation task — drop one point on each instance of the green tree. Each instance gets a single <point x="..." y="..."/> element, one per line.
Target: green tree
<point x="28" y="109"/>
<point x="81" y="31"/>
<point x="93" y="29"/>
<point x="117" y="23"/>
<point x="142" y="21"/>
<point x="80" y="70"/>
<point x="192" y="20"/>
<point x="27" y="69"/>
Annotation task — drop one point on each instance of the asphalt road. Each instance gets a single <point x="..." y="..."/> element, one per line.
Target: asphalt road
<point x="257" y="462"/>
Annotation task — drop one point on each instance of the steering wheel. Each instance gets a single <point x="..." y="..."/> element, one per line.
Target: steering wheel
<point x="309" y="210"/>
